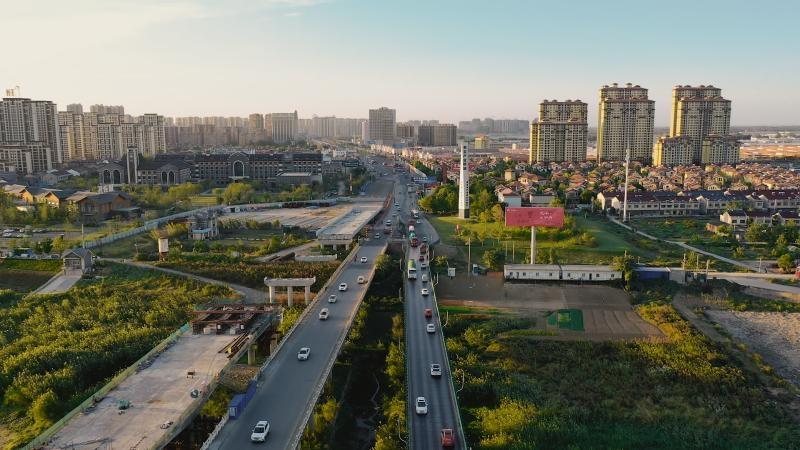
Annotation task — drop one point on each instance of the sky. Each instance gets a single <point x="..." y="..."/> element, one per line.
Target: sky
<point x="436" y="59"/>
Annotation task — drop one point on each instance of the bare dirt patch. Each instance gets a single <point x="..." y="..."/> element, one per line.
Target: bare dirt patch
<point x="774" y="335"/>
<point x="607" y="312"/>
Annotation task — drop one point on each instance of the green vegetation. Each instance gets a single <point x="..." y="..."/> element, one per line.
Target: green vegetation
<point x="25" y="275"/>
<point x="154" y="197"/>
<point x="443" y="200"/>
<point x="40" y="215"/>
<point x="521" y="392"/>
<point x="247" y="273"/>
<point x="56" y="350"/>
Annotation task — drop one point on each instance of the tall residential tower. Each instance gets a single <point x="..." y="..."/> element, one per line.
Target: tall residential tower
<point x="701" y="114"/>
<point x="625" y="123"/>
<point x="560" y="132"/>
<point x="383" y="125"/>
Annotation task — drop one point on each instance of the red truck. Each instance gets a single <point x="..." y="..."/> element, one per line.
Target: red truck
<point x="387" y="230"/>
<point x="448" y="438"/>
<point x="423" y="248"/>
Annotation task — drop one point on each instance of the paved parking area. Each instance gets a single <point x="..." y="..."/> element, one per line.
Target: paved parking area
<point x="157" y="394"/>
<point x="607" y="313"/>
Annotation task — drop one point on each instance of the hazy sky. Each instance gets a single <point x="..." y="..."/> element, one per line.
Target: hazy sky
<point x="448" y="60"/>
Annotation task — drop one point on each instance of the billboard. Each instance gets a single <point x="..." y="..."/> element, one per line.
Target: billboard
<point x="534" y="217"/>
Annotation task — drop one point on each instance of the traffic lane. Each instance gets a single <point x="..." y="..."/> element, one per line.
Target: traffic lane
<point x="287" y="386"/>
<point x="427" y="349"/>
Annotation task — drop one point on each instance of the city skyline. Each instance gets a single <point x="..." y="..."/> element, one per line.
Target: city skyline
<point x="343" y="57"/>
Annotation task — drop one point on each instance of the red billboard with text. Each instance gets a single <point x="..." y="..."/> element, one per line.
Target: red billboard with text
<point x="534" y="217"/>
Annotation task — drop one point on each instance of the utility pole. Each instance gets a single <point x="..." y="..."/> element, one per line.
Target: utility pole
<point x="533" y="245"/>
<point x="469" y="256"/>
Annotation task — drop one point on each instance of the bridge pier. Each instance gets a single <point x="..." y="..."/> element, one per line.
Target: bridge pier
<point x="251" y="355"/>
<point x="271" y="294"/>
<point x="307" y="294"/>
<point x="290" y="284"/>
<point x="289" y="295"/>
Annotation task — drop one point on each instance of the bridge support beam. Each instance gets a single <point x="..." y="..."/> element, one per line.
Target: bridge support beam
<point x="251" y="355"/>
<point x="271" y="294"/>
<point x="289" y="295"/>
<point x="307" y="296"/>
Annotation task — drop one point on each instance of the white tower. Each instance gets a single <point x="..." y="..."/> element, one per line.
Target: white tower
<point x="463" y="183"/>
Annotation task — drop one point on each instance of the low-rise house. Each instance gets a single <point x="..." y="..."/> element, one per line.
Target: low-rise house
<point x="735" y="218"/>
<point x="78" y="261"/>
<point x="94" y="207"/>
<point x="785" y="218"/>
<point x="509" y="197"/>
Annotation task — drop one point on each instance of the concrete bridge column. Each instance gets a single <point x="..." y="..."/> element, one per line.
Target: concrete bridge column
<point x="271" y="294"/>
<point x="289" y="293"/>
<point x="308" y="294"/>
<point x="251" y="355"/>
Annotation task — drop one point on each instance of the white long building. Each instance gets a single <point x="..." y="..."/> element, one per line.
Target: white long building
<point x="560" y="272"/>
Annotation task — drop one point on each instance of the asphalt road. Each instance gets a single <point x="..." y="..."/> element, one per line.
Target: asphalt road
<point x="424" y="349"/>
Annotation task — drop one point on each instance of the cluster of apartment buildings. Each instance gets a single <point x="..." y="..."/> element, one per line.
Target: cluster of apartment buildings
<point x="203" y="132"/>
<point x="699" y="128"/>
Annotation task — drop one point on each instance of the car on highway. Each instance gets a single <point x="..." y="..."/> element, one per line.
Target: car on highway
<point x="260" y="431"/>
<point x="302" y="355"/>
<point x="377" y="235"/>
<point x="388" y="223"/>
<point x="428" y="313"/>
<point x="361" y="279"/>
<point x="363" y="260"/>
<point x="424" y="277"/>
<point x="342" y="287"/>
<point x="425" y="292"/>
<point x="332" y="297"/>
<point x="424" y="238"/>
<point x="430" y="328"/>
<point x="423" y="265"/>
<point x="448" y="438"/>
<point x="323" y="314"/>
<point x="436" y="370"/>
<point x="421" y="406"/>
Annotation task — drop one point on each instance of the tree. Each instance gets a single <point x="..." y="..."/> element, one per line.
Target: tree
<point x="237" y="193"/>
<point x="786" y="263"/>
<point x="497" y="213"/>
<point x="492" y="259"/>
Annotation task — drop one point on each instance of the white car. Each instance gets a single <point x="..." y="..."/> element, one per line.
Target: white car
<point x="424" y="277"/>
<point x="342" y="287"/>
<point x="423" y="265"/>
<point x="323" y="314"/>
<point x="430" y="328"/>
<point x="377" y="235"/>
<point x="363" y="260"/>
<point x="436" y="370"/>
<point x="421" y="406"/>
<point x="424" y="238"/>
<point x="425" y="292"/>
<point x="332" y="298"/>
<point x="260" y="431"/>
<point x="361" y="279"/>
<point x="302" y="355"/>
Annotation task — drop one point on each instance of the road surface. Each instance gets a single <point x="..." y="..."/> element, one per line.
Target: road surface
<point x="424" y="349"/>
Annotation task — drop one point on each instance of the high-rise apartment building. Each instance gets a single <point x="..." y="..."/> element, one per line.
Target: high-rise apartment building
<point x="29" y="158"/>
<point x="720" y="149"/>
<point x="281" y="127"/>
<point x="255" y="121"/>
<point x="442" y="135"/>
<point x="95" y="136"/>
<point x="107" y="109"/>
<point x="673" y="151"/>
<point x="75" y="108"/>
<point x="625" y="123"/>
<point x="382" y="125"/>
<point x="698" y="112"/>
<point x="405" y="131"/>
<point x="560" y="132"/>
<point x="26" y="121"/>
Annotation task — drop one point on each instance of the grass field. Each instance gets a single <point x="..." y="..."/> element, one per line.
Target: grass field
<point x="25" y="275"/>
<point x="609" y="240"/>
